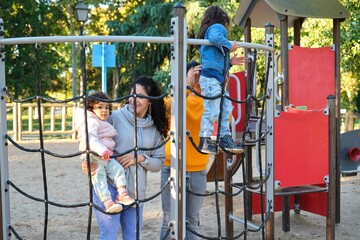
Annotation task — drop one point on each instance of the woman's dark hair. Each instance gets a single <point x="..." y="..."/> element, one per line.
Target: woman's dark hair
<point x="158" y="111"/>
<point x="191" y="65"/>
<point x="213" y="14"/>
<point x="90" y="102"/>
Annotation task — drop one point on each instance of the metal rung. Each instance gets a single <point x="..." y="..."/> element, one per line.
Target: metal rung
<point x="252" y="124"/>
<point x="240" y="220"/>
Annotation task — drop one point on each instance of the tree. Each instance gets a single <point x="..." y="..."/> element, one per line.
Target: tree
<point x="21" y="20"/>
<point x="150" y="19"/>
<point x="350" y="56"/>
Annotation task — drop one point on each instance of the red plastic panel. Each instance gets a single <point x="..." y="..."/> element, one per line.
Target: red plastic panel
<point x="301" y="148"/>
<point x="311" y="76"/>
<point x="234" y="86"/>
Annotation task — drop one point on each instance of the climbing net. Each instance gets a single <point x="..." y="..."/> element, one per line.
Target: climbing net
<point x="178" y="224"/>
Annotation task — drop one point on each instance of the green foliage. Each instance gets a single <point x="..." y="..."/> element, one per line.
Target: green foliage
<point x="24" y="71"/>
<point x="350" y="51"/>
<point x="350" y="38"/>
<point x="316" y="33"/>
<point x="135" y="59"/>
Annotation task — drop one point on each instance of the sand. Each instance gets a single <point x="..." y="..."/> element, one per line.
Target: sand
<point x="67" y="185"/>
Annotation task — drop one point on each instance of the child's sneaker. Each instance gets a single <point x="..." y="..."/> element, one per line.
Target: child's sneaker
<point x="112" y="207"/>
<point x="227" y="144"/>
<point x="206" y="146"/>
<point x="124" y="199"/>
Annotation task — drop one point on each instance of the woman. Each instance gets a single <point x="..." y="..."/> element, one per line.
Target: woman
<point x="152" y="128"/>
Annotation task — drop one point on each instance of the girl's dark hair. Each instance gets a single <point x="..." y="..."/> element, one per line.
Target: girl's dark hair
<point x="158" y="111"/>
<point x="191" y="65"/>
<point x="213" y="14"/>
<point x="90" y="102"/>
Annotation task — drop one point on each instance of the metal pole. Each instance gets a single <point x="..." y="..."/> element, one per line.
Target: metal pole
<point x="74" y="70"/>
<point x="4" y="167"/>
<point x="178" y="125"/>
<point x="270" y="113"/>
<point x="82" y="62"/>
<point x="103" y="68"/>
<point x="229" y="225"/>
<point x="135" y="39"/>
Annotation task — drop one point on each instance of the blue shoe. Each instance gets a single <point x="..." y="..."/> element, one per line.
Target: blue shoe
<point x="206" y="145"/>
<point x="228" y="145"/>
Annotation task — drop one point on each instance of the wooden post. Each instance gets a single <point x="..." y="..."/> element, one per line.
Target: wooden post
<point x="336" y="41"/>
<point x="331" y="194"/>
<point x="52" y="118"/>
<point x="284" y="60"/>
<point x="15" y="122"/>
<point x="30" y="118"/>
<point x="63" y="117"/>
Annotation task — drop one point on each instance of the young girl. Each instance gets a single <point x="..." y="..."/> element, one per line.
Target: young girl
<point x="215" y="63"/>
<point x="101" y="134"/>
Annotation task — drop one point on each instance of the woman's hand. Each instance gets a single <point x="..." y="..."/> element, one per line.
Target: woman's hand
<point x="106" y="155"/>
<point x="129" y="159"/>
<point x="192" y="77"/>
<point x="235" y="60"/>
<point x="93" y="167"/>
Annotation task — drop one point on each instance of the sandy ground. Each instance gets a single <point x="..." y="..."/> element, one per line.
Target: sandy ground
<point x="67" y="185"/>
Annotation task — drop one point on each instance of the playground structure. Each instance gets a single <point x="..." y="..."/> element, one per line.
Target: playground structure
<point x="349" y="152"/>
<point x="327" y="127"/>
<point x="177" y="40"/>
<point x="305" y="141"/>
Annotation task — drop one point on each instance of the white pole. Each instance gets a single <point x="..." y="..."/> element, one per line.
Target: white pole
<point x="4" y="167"/>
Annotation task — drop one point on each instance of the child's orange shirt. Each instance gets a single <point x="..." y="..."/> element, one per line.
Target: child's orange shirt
<point x="195" y="161"/>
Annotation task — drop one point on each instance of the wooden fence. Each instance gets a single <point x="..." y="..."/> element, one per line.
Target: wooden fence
<point x="351" y="121"/>
<point x="57" y="120"/>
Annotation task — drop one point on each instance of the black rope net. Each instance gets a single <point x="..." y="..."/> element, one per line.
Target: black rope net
<point x="47" y="202"/>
